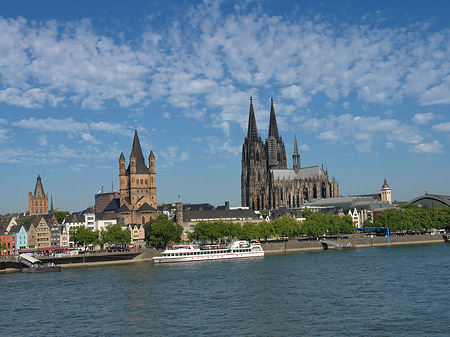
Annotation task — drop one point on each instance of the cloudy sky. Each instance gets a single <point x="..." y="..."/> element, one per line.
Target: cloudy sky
<point x="364" y="84"/>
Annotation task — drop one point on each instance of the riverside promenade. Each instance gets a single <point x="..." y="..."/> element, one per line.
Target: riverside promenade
<point x="270" y="247"/>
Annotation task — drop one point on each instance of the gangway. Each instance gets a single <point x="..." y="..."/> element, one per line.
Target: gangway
<point x="29" y="260"/>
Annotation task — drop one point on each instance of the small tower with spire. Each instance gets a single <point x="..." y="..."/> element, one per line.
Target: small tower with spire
<point x="38" y="202"/>
<point x="295" y="156"/>
<point x="386" y="192"/>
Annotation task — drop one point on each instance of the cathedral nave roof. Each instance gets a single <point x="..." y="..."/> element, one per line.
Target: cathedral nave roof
<point x="303" y="173"/>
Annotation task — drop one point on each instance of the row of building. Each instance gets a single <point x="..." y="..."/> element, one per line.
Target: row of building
<point x="43" y="232"/>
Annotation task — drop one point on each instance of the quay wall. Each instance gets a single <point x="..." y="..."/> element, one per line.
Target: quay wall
<point x="270" y="247"/>
<point x="298" y="245"/>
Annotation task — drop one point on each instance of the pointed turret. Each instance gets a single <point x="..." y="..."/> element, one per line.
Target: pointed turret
<point x="39" y="189"/>
<point x="273" y="128"/>
<point x="51" y="203"/>
<point x="295" y="156"/>
<point x="151" y="162"/>
<point x="295" y="144"/>
<point x="136" y="153"/>
<point x="252" y="133"/>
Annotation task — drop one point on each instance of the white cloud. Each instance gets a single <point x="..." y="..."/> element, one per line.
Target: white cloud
<point x="197" y="139"/>
<point x="304" y="147"/>
<point x="70" y="126"/>
<point x="389" y="145"/>
<point x="432" y="147"/>
<point x="43" y="140"/>
<point x="50" y="63"/>
<point x="423" y="118"/>
<point x="172" y="156"/>
<point x="441" y="127"/>
<point x="89" y="138"/>
<point x="361" y="131"/>
<point x="77" y="167"/>
<point x="166" y="115"/>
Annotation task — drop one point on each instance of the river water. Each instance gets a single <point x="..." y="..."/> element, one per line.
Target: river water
<point x="386" y="291"/>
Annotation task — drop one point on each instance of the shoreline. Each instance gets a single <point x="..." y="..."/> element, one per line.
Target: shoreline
<point x="270" y="248"/>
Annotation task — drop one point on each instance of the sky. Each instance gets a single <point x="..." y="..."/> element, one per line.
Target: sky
<point x="365" y="85"/>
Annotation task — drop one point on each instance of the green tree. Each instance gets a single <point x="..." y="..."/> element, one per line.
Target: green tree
<point x="162" y="231"/>
<point x="84" y="236"/>
<point x="114" y="234"/>
<point x="60" y="215"/>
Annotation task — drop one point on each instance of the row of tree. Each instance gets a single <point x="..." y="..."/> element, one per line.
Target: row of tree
<point x="114" y="234"/>
<point x="316" y="224"/>
<point x="413" y="218"/>
<point x="161" y="231"/>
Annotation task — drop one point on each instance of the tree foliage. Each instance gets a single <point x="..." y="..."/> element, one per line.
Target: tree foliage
<point x="114" y="234"/>
<point x="413" y="218"/>
<point x="316" y="224"/>
<point x="161" y="231"/>
<point x="84" y="236"/>
<point x="60" y="215"/>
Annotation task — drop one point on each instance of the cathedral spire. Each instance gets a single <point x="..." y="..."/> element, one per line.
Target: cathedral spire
<point x="51" y="203"/>
<point x="136" y="152"/>
<point x="252" y="133"/>
<point x="273" y="128"/>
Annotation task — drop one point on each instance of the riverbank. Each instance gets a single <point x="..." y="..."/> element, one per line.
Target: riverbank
<point x="305" y="245"/>
<point x="270" y="248"/>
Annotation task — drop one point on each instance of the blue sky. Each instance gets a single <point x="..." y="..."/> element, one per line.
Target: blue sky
<point x="364" y="84"/>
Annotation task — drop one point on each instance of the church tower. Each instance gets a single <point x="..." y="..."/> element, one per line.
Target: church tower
<point x="386" y="192"/>
<point x="38" y="202"/>
<point x="254" y="178"/>
<point x="137" y="186"/>
<point x="276" y="153"/>
<point x="295" y="156"/>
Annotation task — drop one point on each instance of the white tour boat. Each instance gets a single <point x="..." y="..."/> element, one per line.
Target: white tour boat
<point x="190" y="253"/>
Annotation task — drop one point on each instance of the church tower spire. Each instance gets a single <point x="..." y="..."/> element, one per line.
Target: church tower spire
<point x="276" y="153"/>
<point x="295" y="156"/>
<point x="273" y="128"/>
<point x="252" y="133"/>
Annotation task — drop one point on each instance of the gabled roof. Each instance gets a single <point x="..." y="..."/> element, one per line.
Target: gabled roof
<point x="15" y="229"/>
<point x="113" y="205"/>
<point x="146" y="207"/>
<point x="123" y="208"/>
<point x="36" y="219"/>
<point x="136" y="152"/>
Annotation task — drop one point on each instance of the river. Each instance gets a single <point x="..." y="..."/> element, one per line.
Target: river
<point x="384" y="291"/>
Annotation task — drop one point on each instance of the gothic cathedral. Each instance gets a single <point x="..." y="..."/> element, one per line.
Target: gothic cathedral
<point x="266" y="181"/>
<point x="137" y="186"/>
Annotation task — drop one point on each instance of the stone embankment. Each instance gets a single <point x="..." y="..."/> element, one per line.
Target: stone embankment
<point x="304" y="245"/>
<point x="270" y="247"/>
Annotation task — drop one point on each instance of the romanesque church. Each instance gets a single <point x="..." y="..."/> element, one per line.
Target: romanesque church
<point x="267" y="182"/>
<point x="137" y="186"/>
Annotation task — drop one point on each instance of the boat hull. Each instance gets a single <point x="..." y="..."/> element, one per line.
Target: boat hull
<point x="225" y="256"/>
<point x="41" y="269"/>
